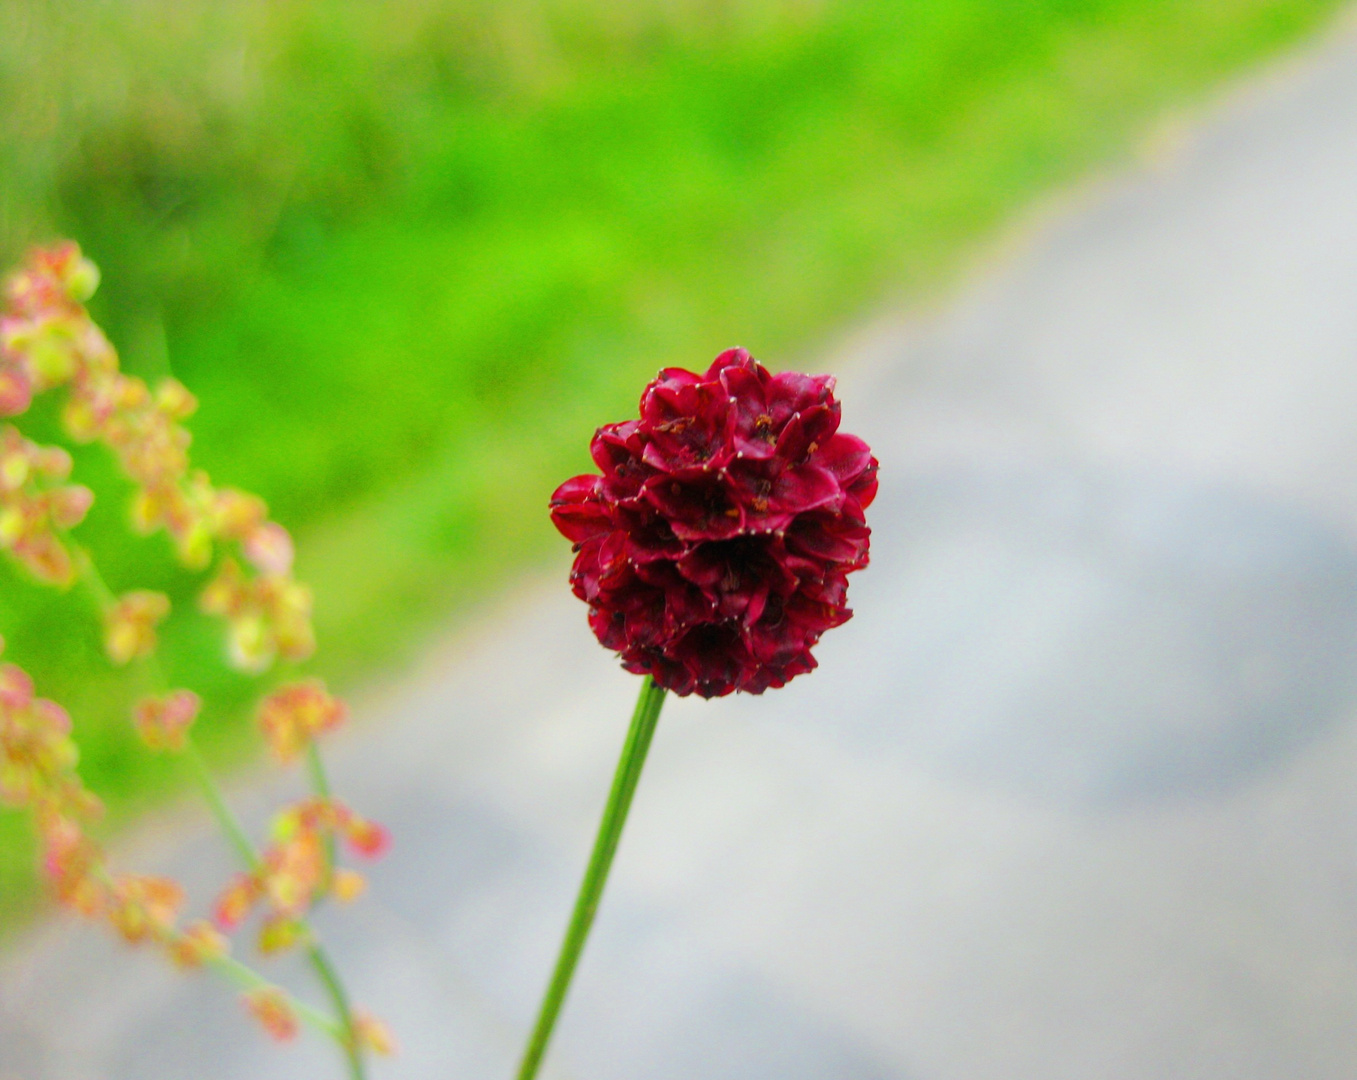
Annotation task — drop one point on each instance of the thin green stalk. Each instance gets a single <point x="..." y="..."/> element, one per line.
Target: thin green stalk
<point x="250" y="979"/>
<point x="315" y="768"/>
<point x="320" y="962"/>
<point x="346" y="1032"/>
<point x="348" y="1036"/>
<point x="642" y="730"/>
<point x="227" y="821"/>
<point x="89" y="573"/>
<point x="320" y="784"/>
<point x="245" y="976"/>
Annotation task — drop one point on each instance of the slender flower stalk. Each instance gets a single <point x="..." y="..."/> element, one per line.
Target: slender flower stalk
<point x="345" y="1031"/>
<point x="221" y="812"/>
<point x="642" y="730"/>
<point x="320" y="962"/>
<point x="320" y="786"/>
<point x="248" y="979"/>
<point x="49" y="343"/>
<point x="713" y="548"/>
<point x="348" y="1037"/>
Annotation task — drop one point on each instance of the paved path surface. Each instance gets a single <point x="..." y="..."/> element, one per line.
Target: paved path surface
<point x="1073" y="797"/>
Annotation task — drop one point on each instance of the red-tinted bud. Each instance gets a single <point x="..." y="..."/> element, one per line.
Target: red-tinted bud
<point x="373" y="1034"/>
<point x="163" y="722"/>
<point x="199" y="944"/>
<point x="235" y="901"/>
<point x="366" y="838"/>
<point x="269" y="548"/>
<point x="129" y="625"/>
<point x="293" y="715"/>
<point x="274" y="1011"/>
<point x="280" y="933"/>
<point x="145" y="907"/>
<point x="16" y="391"/>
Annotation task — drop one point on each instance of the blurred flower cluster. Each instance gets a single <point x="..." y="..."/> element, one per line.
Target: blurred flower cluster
<point x="295" y="873"/>
<point x="38" y="760"/>
<point x="48" y="342"/>
<point x="37" y="504"/>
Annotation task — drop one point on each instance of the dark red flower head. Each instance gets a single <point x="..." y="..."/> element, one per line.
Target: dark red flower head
<point x="715" y="548"/>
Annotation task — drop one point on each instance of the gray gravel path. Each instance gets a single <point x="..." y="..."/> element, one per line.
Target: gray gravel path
<point x="1072" y="797"/>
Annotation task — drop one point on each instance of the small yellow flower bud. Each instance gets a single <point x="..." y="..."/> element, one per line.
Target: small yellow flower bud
<point x="129" y="626"/>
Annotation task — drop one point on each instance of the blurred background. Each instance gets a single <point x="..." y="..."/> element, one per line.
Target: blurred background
<point x="405" y="254"/>
<point x="409" y="255"/>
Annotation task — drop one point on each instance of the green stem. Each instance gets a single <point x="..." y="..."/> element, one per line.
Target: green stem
<point x="642" y="730"/>
<point x="320" y="962"/>
<point x="346" y="1031"/>
<point x="320" y="784"/>
<point x="250" y="979"/>
<point x="227" y="821"/>
<point x="245" y="976"/>
<point x="315" y="768"/>
<point x="89" y="573"/>
<point x="348" y="1034"/>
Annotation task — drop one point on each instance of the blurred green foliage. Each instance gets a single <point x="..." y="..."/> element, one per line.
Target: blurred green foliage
<point x="409" y="254"/>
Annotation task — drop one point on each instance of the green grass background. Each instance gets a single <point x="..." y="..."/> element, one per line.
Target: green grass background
<point x="410" y="254"/>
